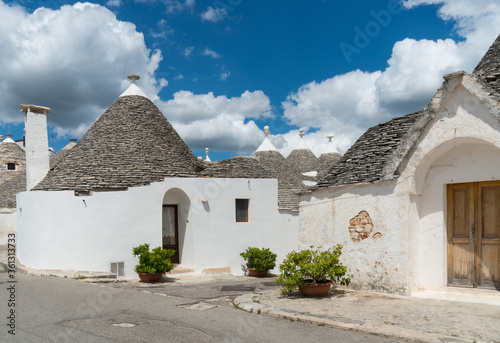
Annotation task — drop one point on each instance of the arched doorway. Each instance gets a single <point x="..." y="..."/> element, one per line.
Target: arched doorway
<point x="456" y="235"/>
<point x="175" y="211"/>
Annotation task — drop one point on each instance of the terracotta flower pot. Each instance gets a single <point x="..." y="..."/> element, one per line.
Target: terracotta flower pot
<point x="315" y="289"/>
<point x="146" y="277"/>
<point x="253" y="272"/>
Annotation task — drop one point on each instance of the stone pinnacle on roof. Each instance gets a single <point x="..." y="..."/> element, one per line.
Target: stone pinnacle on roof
<point x="207" y="159"/>
<point x="8" y="139"/>
<point x="133" y="89"/>
<point x="266" y="144"/>
<point x="330" y="148"/>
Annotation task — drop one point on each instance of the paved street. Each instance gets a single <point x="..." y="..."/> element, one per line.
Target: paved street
<point x="52" y="309"/>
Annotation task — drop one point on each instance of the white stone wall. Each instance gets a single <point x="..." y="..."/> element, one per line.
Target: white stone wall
<point x="8" y="222"/>
<point x="58" y="230"/>
<point x="378" y="262"/>
<point x="288" y="234"/>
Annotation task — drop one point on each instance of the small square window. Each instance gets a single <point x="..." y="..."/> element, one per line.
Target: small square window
<point x="11" y="166"/>
<point x="242" y="210"/>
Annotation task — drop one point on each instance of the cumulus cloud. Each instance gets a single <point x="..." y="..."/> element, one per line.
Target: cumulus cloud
<point x="211" y="53"/>
<point x="218" y="121"/>
<point x="48" y="60"/>
<point x="346" y="105"/>
<point x="214" y="14"/>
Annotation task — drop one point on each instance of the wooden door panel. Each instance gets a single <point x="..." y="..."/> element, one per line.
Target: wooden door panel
<point x="460" y="200"/>
<point x="488" y="235"/>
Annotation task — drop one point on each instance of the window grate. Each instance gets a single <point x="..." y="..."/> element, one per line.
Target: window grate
<point x="118" y="268"/>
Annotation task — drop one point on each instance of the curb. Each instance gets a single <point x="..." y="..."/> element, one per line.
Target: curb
<point x="247" y="302"/>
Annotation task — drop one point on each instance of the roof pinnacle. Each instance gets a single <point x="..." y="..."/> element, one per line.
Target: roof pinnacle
<point x="133" y="77"/>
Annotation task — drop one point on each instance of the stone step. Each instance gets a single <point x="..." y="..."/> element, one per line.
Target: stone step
<point x="217" y="271"/>
<point x="178" y="269"/>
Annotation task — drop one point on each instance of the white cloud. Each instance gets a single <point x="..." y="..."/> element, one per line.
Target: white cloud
<point x="218" y="121"/>
<point x="224" y="75"/>
<point x="211" y="53"/>
<point x="178" y="77"/>
<point x="214" y="14"/>
<point x="188" y="51"/>
<point x="48" y="60"/>
<point x="346" y="105"/>
<point x="114" y="3"/>
<point x="173" y="6"/>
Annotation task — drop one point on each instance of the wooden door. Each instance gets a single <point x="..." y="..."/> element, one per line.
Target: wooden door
<point x="473" y="231"/>
<point x="170" y="231"/>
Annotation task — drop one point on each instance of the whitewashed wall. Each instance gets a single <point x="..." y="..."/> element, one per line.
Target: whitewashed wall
<point x="461" y="144"/>
<point x="58" y="230"/>
<point x="288" y="234"/>
<point x="8" y="222"/>
<point x="375" y="263"/>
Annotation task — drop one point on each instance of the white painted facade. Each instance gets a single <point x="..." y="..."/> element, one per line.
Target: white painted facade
<point x="407" y="250"/>
<point x="58" y="230"/>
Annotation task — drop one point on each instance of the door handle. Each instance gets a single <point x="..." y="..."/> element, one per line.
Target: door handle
<point x="473" y="228"/>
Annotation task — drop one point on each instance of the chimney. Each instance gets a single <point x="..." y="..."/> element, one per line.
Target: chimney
<point x="37" y="143"/>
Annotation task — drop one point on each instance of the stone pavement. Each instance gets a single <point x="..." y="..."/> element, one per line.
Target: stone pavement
<point x="402" y="317"/>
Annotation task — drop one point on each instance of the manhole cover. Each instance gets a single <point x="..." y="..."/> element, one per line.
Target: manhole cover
<point x="237" y="289"/>
<point x="201" y="306"/>
<point x="124" y="325"/>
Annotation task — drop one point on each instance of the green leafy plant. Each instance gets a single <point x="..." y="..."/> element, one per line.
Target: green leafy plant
<point x="155" y="261"/>
<point x="312" y="266"/>
<point x="259" y="259"/>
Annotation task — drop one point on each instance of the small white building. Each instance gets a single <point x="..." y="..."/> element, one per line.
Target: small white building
<point x="416" y="200"/>
<point x="130" y="180"/>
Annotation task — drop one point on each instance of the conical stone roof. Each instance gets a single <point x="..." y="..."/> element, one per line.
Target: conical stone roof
<point x="289" y="178"/>
<point x="131" y="144"/>
<point x="302" y="157"/>
<point x="488" y="69"/>
<point x="10" y="152"/>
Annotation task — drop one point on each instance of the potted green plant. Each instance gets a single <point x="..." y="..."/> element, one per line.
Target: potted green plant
<point x="312" y="271"/>
<point x="152" y="264"/>
<point x="259" y="261"/>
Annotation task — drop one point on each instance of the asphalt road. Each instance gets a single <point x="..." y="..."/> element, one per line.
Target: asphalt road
<point x="52" y="309"/>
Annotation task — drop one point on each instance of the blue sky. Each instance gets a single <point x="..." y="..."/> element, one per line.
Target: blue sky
<point x="221" y="70"/>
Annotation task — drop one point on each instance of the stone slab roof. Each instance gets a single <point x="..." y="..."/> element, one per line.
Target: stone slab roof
<point x="10" y="188"/>
<point x="488" y="69"/>
<point x="325" y="162"/>
<point x="303" y="159"/>
<point x="377" y="153"/>
<point x="131" y="144"/>
<point x="237" y="167"/>
<point x="289" y="178"/>
<point x="10" y="152"/>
